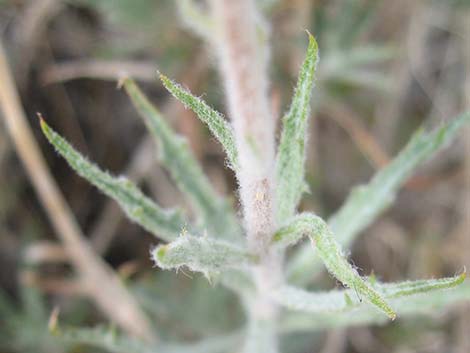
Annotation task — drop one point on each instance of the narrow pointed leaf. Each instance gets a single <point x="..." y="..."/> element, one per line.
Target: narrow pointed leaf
<point x="165" y="224"/>
<point x="422" y="304"/>
<point x="342" y="300"/>
<point x="291" y="154"/>
<point x="216" y="123"/>
<point x="366" y="202"/>
<point x="201" y="254"/>
<point x="330" y="253"/>
<point x="215" y="212"/>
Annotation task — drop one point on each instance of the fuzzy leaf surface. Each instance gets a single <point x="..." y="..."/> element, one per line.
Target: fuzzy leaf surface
<point x="174" y="152"/>
<point x="342" y="300"/>
<point x="216" y="123"/>
<point x="201" y="254"/>
<point x="330" y="253"/>
<point x="366" y="202"/>
<point x="166" y="224"/>
<point x="291" y="153"/>
<point x="422" y="304"/>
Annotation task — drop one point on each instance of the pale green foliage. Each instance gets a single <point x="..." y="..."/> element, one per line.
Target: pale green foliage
<point x="216" y="123"/>
<point x="114" y="342"/>
<point x="201" y="254"/>
<point x="421" y="304"/>
<point x="139" y="208"/>
<point x="176" y="156"/>
<point x="105" y="338"/>
<point x="330" y="253"/>
<point x="344" y="300"/>
<point x="194" y="311"/>
<point x="291" y="154"/>
<point x="230" y="259"/>
<point x="366" y="202"/>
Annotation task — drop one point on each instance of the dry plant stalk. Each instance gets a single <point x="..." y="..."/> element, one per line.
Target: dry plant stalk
<point x="111" y="293"/>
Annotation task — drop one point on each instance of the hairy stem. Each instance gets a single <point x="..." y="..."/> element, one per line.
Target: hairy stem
<point x="243" y="56"/>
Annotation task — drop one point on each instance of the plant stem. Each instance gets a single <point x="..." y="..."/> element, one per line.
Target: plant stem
<point x="243" y="57"/>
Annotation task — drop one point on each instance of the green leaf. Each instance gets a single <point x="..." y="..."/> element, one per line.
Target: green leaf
<point x="218" y="126"/>
<point x="165" y="224"/>
<point x="105" y="338"/>
<point x="366" y="202"/>
<point x="342" y="300"/>
<point x="201" y="254"/>
<point x="423" y="304"/>
<point x="330" y="253"/>
<point x="175" y="154"/>
<point x="115" y="342"/>
<point x="291" y="154"/>
<point x="192" y="312"/>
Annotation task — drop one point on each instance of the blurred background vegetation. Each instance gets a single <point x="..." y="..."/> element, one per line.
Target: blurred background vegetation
<point x="386" y="68"/>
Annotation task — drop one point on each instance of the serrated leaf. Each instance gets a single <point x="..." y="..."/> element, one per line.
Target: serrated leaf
<point x="330" y="253"/>
<point x="420" y="304"/>
<point x="174" y="152"/>
<point x="216" y="123"/>
<point x="165" y="224"/>
<point x="366" y="202"/>
<point x="343" y="300"/>
<point x="201" y="254"/>
<point x="291" y="153"/>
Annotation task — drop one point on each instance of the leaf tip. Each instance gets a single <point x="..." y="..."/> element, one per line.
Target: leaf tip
<point x="389" y="311"/>
<point x="165" y="80"/>
<point x="41" y="119"/>
<point x="125" y="82"/>
<point x="53" y="324"/>
<point x="312" y="42"/>
<point x="42" y="123"/>
<point x="122" y="81"/>
<point x="462" y="276"/>
<point x="158" y="254"/>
